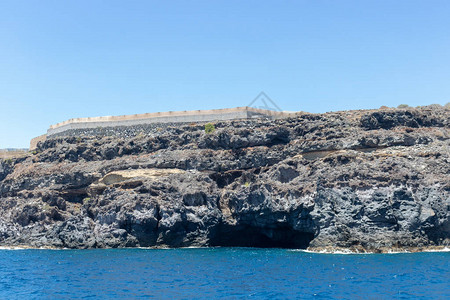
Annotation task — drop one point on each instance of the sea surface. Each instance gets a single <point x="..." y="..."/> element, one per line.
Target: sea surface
<point x="213" y="273"/>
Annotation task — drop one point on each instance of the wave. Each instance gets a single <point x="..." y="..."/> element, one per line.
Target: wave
<point x="12" y="248"/>
<point x="30" y="248"/>
<point x="323" y="251"/>
<point x="348" y="251"/>
<point x="445" y="249"/>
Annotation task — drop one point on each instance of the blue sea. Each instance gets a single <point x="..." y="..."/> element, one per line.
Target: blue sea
<point x="230" y="273"/>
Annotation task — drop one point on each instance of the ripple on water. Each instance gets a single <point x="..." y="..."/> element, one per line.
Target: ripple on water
<point x="221" y="272"/>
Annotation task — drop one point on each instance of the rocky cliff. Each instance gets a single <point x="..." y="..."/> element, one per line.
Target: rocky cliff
<point x="374" y="180"/>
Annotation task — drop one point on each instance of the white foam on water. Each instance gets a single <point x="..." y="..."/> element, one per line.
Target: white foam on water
<point x="32" y="248"/>
<point x="12" y="248"/>
<point x="346" y="252"/>
<point x="167" y="248"/>
<point x="445" y="249"/>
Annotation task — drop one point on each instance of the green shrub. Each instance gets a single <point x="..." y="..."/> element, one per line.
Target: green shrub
<point x="86" y="200"/>
<point x="209" y="128"/>
<point x="403" y="106"/>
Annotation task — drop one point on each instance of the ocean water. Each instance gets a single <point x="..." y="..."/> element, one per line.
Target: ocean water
<point x="230" y="273"/>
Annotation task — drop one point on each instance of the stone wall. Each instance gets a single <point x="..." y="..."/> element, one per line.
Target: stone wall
<point x="36" y="140"/>
<point x="129" y="125"/>
<point x="164" y="117"/>
<point x="120" y="131"/>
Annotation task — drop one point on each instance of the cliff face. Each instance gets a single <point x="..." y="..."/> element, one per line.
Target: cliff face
<point x="361" y="180"/>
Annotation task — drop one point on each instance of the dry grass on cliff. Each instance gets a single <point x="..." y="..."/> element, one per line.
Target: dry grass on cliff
<point x="13" y="154"/>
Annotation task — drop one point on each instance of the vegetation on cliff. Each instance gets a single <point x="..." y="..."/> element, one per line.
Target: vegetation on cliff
<point x="364" y="180"/>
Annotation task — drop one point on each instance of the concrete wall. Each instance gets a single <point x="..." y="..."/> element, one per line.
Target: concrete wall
<point x="36" y="140"/>
<point x="172" y="115"/>
<point x="78" y="124"/>
<point x="165" y="117"/>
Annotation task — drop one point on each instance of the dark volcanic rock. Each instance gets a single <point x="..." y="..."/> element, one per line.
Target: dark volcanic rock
<point x="360" y="180"/>
<point x="5" y="168"/>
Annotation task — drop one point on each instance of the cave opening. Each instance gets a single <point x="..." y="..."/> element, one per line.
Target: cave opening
<point x="249" y="236"/>
<point x="75" y="195"/>
<point x="226" y="178"/>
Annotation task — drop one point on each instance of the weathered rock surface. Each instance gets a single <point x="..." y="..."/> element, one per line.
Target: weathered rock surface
<point x="373" y="180"/>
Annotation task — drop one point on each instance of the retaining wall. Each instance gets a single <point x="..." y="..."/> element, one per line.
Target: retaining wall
<point x="112" y="123"/>
<point x="165" y="117"/>
<point x="36" y="140"/>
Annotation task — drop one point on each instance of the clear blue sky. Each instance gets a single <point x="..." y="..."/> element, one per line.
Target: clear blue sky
<point x="66" y="59"/>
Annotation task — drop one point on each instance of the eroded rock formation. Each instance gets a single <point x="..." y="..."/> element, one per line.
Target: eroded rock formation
<point x="361" y="180"/>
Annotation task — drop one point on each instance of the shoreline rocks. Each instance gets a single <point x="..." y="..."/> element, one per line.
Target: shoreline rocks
<point x="367" y="181"/>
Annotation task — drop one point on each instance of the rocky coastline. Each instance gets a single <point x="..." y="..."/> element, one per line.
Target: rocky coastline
<point x="361" y="181"/>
